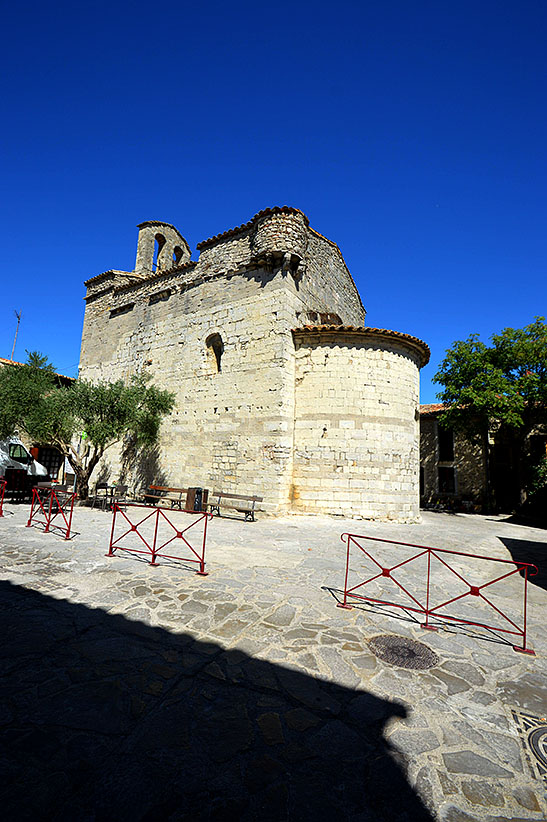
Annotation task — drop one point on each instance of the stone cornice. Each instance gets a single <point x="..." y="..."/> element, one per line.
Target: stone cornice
<point x="368" y="333"/>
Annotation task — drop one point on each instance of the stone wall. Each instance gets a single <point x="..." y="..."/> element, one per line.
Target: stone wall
<point x="356" y="425"/>
<point x="232" y="429"/>
<point x="327" y="285"/>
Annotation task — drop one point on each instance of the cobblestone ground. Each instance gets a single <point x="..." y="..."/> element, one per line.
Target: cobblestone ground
<point x="133" y="692"/>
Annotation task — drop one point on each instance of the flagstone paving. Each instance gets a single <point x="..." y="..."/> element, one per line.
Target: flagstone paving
<point x="152" y="693"/>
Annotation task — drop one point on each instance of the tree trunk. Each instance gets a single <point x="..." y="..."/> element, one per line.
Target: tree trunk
<point x="82" y="482"/>
<point x="84" y="466"/>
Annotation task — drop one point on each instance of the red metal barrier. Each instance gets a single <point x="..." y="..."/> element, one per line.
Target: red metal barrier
<point x="52" y="503"/>
<point x="156" y="531"/>
<point x="432" y="566"/>
<point x="3" y="484"/>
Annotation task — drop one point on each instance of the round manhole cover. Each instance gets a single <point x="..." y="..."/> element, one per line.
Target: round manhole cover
<point x="403" y="652"/>
<point x="538" y="743"/>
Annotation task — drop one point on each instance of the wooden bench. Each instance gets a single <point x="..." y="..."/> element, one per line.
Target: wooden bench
<point x="176" y="497"/>
<point x="242" y="503"/>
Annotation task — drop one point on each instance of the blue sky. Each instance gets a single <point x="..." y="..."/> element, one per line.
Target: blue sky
<point x="412" y="134"/>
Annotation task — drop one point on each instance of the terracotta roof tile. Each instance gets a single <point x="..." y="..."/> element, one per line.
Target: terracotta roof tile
<point x="432" y="408"/>
<point x="164" y="272"/>
<point x="13" y="362"/>
<point x="371" y="332"/>
<point x="232" y="232"/>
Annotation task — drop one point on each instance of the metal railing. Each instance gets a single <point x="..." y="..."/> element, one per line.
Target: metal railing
<point x="155" y="531"/>
<point x="52" y="503"/>
<point x="422" y="593"/>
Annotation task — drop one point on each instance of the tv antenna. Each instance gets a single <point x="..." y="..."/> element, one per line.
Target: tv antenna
<point x="18" y="314"/>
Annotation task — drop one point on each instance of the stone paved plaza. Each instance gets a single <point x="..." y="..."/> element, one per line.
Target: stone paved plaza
<point x="133" y="692"/>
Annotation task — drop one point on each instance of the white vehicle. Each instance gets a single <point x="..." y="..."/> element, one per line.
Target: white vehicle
<point x="14" y="455"/>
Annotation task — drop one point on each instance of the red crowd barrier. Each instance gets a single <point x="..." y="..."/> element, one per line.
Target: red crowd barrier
<point x="3" y="484"/>
<point x="422" y="593"/>
<point x="51" y="503"/>
<point x="156" y="530"/>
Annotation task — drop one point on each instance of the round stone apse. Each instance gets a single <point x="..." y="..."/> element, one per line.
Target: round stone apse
<point x="403" y="652"/>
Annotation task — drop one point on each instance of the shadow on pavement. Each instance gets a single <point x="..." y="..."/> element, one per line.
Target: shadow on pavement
<point x="526" y="550"/>
<point x="108" y="719"/>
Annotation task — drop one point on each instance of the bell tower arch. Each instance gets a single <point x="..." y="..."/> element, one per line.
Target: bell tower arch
<point x="160" y="247"/>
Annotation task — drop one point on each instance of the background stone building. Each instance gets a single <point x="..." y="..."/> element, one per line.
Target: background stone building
<point x="453" y="470"/>
<point x="281" y="389"/>
<point x="474" y="475"/>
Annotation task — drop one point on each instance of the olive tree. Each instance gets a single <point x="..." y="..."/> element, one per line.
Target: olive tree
<point x="82" y="419"/>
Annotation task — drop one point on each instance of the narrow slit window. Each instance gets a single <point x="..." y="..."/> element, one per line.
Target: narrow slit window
<point x="215" y="350"/>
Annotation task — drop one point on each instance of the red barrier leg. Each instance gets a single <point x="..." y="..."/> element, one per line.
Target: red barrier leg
<point x="344" y="604"/>
<point x="202" y="572"/>
<point x="426" y="624"/>
<point x="110" y="550"/>
<point x="524" y="649"/>
<point x="153" y="560"/>
<point x="48" y="522"/>
<point x="70" y="517"/>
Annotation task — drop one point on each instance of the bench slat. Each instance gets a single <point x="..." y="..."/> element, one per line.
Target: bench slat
<point x="165" y="488"/>
<point x="223" y="495"/>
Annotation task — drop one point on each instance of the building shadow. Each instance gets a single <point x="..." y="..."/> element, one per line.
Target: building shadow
<point x="108" y="719"/>
<point x="527" y="550"/>
<point x="141" y="466"/>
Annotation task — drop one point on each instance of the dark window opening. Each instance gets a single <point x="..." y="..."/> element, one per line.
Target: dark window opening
<point x="422" y="481"/>
<point x="51" y="459"/>
<point x="159" y="296"/>
<point x="446" y="444"/>
<point x="177" y="254"/>
<point x="330" y="319"/>
<point x="123" y="309"/>
<point x="215" y="348"/>
<point x="447" y="480"/>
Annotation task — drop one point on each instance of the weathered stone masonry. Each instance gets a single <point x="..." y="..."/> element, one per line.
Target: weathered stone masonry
<point x="281" y="390"/>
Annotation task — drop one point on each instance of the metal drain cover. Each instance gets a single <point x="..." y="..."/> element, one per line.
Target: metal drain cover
<point x="533" y="733"/>
<point x="538" y="743"/>
<point x="403" y="652"/>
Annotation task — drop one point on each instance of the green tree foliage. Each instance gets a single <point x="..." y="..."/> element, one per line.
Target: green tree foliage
<point x="21" y="389"/>
<point x="83" y="419"/>
<point x="501" y="386"/>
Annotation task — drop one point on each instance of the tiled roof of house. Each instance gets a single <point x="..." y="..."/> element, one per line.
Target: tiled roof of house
<point x="4" y="361"/>
<point x="415" y="342"/>
<point x="431" y="408"/>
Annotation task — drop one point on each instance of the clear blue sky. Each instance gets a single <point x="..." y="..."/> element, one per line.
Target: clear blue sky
<point x="411" y="133"/>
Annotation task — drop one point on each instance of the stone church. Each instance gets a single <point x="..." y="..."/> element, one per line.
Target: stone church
<point x="281" y="389"/>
